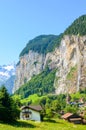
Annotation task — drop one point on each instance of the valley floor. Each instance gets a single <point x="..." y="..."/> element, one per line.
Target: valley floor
<point x="45" y="125"/>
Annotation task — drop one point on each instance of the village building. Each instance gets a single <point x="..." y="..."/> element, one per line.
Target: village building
<point x="31" y="113"/>
<point x="74" y="118"/>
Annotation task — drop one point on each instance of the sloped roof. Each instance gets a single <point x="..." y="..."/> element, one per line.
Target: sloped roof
<point x="23" y="107"/>
<point x="36" y="107"/>
<point x="65" y="116"/>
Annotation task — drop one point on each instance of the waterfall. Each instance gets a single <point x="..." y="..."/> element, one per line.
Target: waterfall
<point x="78" y="80"/>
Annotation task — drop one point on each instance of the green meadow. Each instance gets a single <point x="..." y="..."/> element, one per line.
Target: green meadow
<point x="54" y="124"/>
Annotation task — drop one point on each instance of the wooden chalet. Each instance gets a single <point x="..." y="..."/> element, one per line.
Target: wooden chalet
<point x="31" y="113"/>
<point x="74" y="118"/>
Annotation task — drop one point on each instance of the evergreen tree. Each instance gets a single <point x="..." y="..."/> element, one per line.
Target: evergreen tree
<point x="8" y="108"/>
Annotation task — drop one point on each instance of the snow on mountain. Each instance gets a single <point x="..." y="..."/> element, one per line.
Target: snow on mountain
<point x="9" y="67"/>
<point x="6" y="72"/>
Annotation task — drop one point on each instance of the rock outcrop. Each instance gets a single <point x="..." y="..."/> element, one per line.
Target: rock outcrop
<point x="71" y="76"/>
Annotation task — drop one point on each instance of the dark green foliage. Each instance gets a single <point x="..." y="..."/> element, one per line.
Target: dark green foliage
<point x="53" y="104"/>
<point x="40" y="84"/>
<point x="71" y="108"/>
<point x="78" y="27"/>
<point x="8" y="108"/>
<point x="42" y="44"/>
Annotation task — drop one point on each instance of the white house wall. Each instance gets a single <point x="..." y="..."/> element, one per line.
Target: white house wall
<point x="35" y="115"/>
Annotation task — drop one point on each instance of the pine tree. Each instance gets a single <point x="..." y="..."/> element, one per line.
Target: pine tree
<point x="8" y="108"/>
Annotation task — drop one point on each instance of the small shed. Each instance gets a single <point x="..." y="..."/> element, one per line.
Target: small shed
<point x="31" y="113"/>
<point x="73" y="118"/>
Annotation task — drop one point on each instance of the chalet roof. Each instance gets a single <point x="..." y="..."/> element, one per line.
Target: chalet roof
<point x="36" y="107"/>
<point x="65" y="116"/>
<point x="71" y="115"/>
<point x="24" y="107"/>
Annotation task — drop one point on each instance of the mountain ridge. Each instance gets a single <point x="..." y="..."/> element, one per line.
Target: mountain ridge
<point x="42" y="44"/>
<point x="78" y="27"/>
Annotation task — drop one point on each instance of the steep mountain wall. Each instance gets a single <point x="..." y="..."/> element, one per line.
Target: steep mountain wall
<point x="71" y="76"/>
<point x="69" y="59"/>
<point x="32" y="64"/>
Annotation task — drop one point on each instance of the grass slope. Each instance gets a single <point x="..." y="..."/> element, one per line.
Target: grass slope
<point x="46" y="125"/>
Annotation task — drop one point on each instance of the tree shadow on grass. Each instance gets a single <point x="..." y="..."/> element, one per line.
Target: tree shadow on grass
<point x="20" y="124"/>
<point x="23" y="124"/>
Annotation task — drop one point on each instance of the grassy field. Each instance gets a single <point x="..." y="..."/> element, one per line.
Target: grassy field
<point x="45" y="125"/>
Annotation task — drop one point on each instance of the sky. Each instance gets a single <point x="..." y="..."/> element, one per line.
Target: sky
<point x="23" y="20"/>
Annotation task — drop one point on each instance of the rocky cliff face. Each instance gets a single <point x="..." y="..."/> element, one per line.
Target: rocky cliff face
<point x="32" y="64"/>
<point x="71" y="76"/>
<point x="69" y="59"/>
